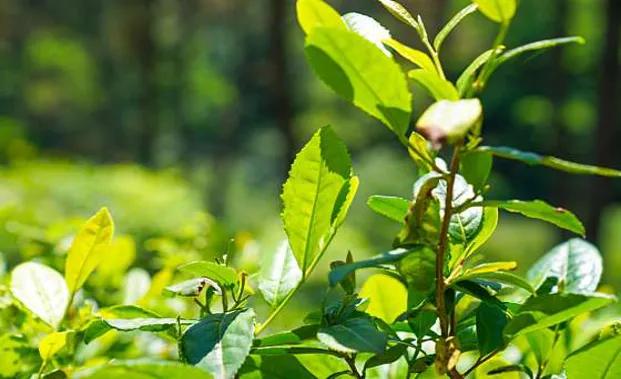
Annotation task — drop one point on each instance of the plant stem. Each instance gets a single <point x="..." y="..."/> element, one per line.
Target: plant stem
<point x="478" y="85"/>
<point x="480" y="361"/>
<point x="351" y="362"/>
<point x="277" y="310"/>
<point x="443" y="242"/>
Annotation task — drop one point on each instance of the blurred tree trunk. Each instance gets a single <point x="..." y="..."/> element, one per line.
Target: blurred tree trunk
<point x="601" y="193"/>
<point x="145" y="45"/>
<point x="559" y="87"/>
<point x="281" y="91"/>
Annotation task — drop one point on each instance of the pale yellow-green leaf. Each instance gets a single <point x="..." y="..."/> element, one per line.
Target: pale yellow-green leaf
<point x="417" y="57"/>
<point x="89" y="248"/>
<point x="417" y="147"/>
<point x="51" y="344"/>
<point x="400" y="13"/>
<point x="123" y="249"/>
<point x="387" y="297"/>
<point x="315" y="196"/>
<point x="497" y="10"/>
<point x="491" y="267"/>
<point x="314" y="13"/>
<point x="42" y="290"/>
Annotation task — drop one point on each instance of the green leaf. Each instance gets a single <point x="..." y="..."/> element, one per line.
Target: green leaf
<point x="437" y="87"/>
<point x="389" y="356"/>
<point x="17" y="355"/>
<point x="467" y="77"/>
<point x="141" y="369"/>
<point x="545" y="311"/>
<point x="464" y="225"/>
<point x="353" y="335"/>
<point x="418" y="268"/>
<point x="313" y="193"/>
<point x="577" y="264"/>
<point x="423" y="220"/>
<point x="279" y="275"/>
<point x="448" y="121"/>
<point x="292" y="337"/>
<point x="491" y="321"/>
<point x="599" y="360"/>
<point x="274" y="367"/>
<point x="341" y="59"/>
<point x="499" y="277"/>
<point x="338" y="273"/>
<point x="317" y="13"/>
<point x="534" y="159"/>
<point x="42" y="290"/>
<point x="88" y="249"/>
<point x="395" y="208"/>
<point x="476" y="290"/>
<point x="500" y="11"/>
<point x="220" y="343"/>
<point x="191" y="287"/>
<point x="225" y="276"/>
<point x="448" y="28"/>
<point x="51" y="344"/>
<point x="400" y="13"/>
<point x="542" y="211"/>
<point x="417" y="57"/>
<point x="512" y="368"/>
<point x="387" y="296"/>
<point x="145" y="324"/>
<point x="476" y="167"/>
<point x="536" y="46"/>
<point x="368" y="28"/>
<point x="99" y="327"/>
<point x="488" y="226"/>
<point x="417" y="148"/>
<point x="348" y="283"/>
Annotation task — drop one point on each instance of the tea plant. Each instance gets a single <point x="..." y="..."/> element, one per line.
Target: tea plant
<point x="434" y="309"/>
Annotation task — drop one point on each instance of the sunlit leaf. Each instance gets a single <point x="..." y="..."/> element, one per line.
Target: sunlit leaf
<point x="577" y="265"/>
<point x="387" y="297"/>
<point x="88" y="249"/>
<point x="192" y="287"/>
<point x="316" y="13"/>
<point x="448" y="28"/>
<point x="42" y="290"/>
<point x="438" y="88"/>
<point x="536" y="46"/>
<point x="598" y="360"/>
<point x="497" y="10"/>
<point x="447" y="121"/>
<point x="400" y="13"/>
<point x="225" y="276"/>
<point x="141" y="369"/>
<point x="292" y="337"/>
<point x="395" y="208"/>
<point x="51" y="344"/>
<point x="279" y="275"/>
<point x="368" y="28"/>
<point x="313" y="192"/>
<point x="359" y="72"/>
<point x="542" y="211"/>
<point x="417" y="57"/>
<point x="220" y="343"/>
<point x="475" y="167"/>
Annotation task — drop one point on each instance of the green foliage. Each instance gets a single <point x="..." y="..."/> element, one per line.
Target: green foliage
<point x="434" y="309"/>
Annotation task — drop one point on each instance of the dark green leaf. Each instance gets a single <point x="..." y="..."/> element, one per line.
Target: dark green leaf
<point x="389" y="356"/>
<point x="392" y="256"/>
<point x="476" y="167"/>
<point x="353" y="335"/>
<point x="542" y="211"/>
<point x="476" y="290"/>
<point x="500" y="277"/>
<point x="220" y="343"/>
<point x="512" y="368"/>
<point x="576" y="264"/>
<point x="395" y="208"/>
<point x="293" y="337"/>
<point x="273" y="367"/>
<point x="534" y="159"/>
<point x="491" y="321"/>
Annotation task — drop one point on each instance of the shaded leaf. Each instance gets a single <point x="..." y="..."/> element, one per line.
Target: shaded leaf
<point x="542" y="211"/>
<point x="500" y="277"/>
<point x="533" y="159"/>
<point x="279" y="275"/>
<point x="338" y="273"/>
<point x="88" y="249"/>
<point x="418" y="268"/>
<point x="220" y="343"/>
<point x="467" y="77"/>
<point x="448" y="28"/>
<point x="292" y="337"/>
<point x="274" y="367"/>
<point x="476" y="167"/>
<point x="42" y="290"/>
<point x="353" y="335"/>
<point x="491" y="321"/>
<point x="512" y="368"/>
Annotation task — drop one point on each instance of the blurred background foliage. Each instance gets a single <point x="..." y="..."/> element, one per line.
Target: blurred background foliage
<point x="183" y="117"/>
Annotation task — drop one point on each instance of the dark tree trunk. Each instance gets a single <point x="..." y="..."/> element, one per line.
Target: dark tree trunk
<point x="608" y="102"/>
<point x="281" y="91"/>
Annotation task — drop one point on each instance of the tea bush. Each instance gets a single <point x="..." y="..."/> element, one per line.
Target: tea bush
<point x="431" y="308"/>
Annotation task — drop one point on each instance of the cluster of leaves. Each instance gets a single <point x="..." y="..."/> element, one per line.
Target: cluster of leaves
<point x="432" y="310"/>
